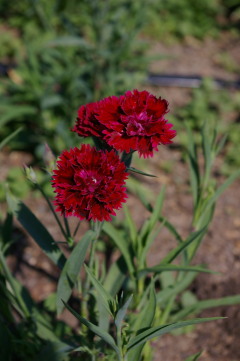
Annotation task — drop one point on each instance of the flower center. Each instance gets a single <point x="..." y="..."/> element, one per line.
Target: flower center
<point x="88" y="180"/>
<point x="136" y="124"/>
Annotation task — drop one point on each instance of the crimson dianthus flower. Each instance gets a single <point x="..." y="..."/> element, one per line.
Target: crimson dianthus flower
<point x="86" y="124"/>
<point x="135" y="122"/>
<point x="89" y="184"/>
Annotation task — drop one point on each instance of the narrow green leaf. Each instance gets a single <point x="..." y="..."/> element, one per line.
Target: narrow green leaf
<point x="193" y="165"/>
<point x="10" y="137"/>
<point x="220" y="144"/>
<point x="194" y="357"/>
<point x="71" y="269"/>
<point x="50" y="101"/>
<point x="143" y="321"/>
<point x="146" y="316"/>
<point x="115" y="276"/>
<point x="8" y="301"/>
<point x="206" y="145"/>
<point x="157" y="209"/>
<point x="53" y="351"/>
<point x="171" y="228"/>
<point x="122" y="244"/>
<point x="69" y="41"/>
<point x="150" y="208"/>
<point x="122" y="312"/>
<point x="6" y="231"/>
<point x="130" y="224"/>
<point x="134" y="170"/>
<point x="147" y="236"/>
<point x="15" y="112"/>
<point x="161" y="330"/>
<point x="149" y="241"/>
<point x="176" y="251"/>
<point x="43" y="327"/>
<point x="104" y="296"/>
<point x="143" y="193"/>
<point x="219" y="191"/>
<point x="36" y="230"/>
<point x="206" y="304"/>
<point x="20" y="298"/>
<point x="95" y="329"/>
<point x="171" y="267"/>
<point x="164" y="295"/>
<point x="113" y="281"/>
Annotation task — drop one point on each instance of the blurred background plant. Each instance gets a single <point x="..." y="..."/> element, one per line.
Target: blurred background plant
<point x="125" y="303"/>
<point x="60" y="54"/>
<point x="54" y="57"/>
<point x="65" y="53"/>
<point x="198" y="18"/>
<point x="220" y="108"/>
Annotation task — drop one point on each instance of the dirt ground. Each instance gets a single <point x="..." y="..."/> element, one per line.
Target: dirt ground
<point x="221" y="249"/>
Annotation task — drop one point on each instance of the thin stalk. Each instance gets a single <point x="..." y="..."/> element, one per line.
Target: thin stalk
<point x="167" y="310"/>
<point x="76" y="229"/>
<point x="67" y="227"/>
<point x="52" y="210"/>
<point x="119" y="342"/>
<point x="140" y="289"/>
<point x="97" y="226"/>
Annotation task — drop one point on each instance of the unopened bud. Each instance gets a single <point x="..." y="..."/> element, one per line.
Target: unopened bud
<point x="49" y="159"/>
<point x="30" y="174"/>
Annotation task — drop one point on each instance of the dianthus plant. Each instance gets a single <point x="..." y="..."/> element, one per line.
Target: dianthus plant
<point x="122" y="303"/>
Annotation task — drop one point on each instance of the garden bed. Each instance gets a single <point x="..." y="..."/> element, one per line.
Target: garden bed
<point x="221" y="248"/>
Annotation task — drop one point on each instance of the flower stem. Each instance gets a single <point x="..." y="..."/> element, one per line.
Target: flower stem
<point x="68" y="232"/>
<point x="97" y="226"/>
<point x="52" y="210"/>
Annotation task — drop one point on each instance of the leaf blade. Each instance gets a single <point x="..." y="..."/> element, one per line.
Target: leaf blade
<point x="176" y="251"/>
<point x="71" y="270"/>
<point x="95" y="329"/>
<point x="161" y="330"/>
<point x="37" y="231"/>
<point x="104" y="296"/>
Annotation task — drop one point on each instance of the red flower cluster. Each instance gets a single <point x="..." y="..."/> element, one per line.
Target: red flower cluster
<point x="89" y="183"/>
<point x="131" y="122"/>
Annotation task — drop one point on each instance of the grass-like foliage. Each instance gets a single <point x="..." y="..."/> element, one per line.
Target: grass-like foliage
<point x="122" y="305"/>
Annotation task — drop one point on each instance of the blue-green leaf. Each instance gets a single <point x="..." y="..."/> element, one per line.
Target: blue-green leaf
<point x="172" y="267"/>
<point x="10" y="137"/>
<point x="161" y="330"/>
<point x="95" y="329"/>
<point x="71" y="269"/>
<point x="197" y="307"/>
<point x="144" y="321"/>
<point x="194" y="357"/>
<point x="121" y="242"/>
<point x="122" y="312"/>
<point x="134" y="170"/>
<point x="104" y="296"/>
<point x="36" y="230"/>
<point x="176" y="251"/>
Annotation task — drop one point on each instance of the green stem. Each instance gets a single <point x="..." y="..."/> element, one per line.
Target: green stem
<point x="97" y="226"/>
<point x="119" y="343"/>
<point x="68" y="232"/>
<point x="167" y="310"/>
<point x="76" y="229"/>
<point x="140" y="289"/>
<point x="52" y="210"/>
